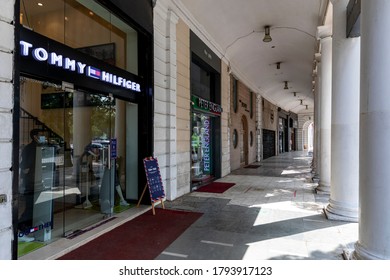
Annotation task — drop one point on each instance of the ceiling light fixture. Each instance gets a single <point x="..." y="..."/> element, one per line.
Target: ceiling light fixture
<point x="285" y="85"/>
<point x="267" y="37"/>
<point x="40" y="4"/>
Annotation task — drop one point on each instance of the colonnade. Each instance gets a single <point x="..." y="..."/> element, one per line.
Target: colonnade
<point x="353" y="116"/>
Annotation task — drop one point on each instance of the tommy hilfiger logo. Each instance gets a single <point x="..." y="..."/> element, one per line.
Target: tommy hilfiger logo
<point x="94" y="72"/>
<point x="47" y="225"/>
<point x="58" y="60"/>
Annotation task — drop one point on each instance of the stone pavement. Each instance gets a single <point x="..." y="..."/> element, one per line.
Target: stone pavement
<point x="272" y="213"/>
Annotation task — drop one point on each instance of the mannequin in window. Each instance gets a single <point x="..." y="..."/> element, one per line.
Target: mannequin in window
<point x="196" y="150"/>
<point x="195" y="143"/>
<point x="31" y="179"/>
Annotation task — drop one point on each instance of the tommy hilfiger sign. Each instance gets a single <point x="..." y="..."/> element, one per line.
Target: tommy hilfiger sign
<point x="57" y="59"/>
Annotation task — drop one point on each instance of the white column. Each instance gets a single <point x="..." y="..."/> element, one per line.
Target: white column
<point x="325" y="37"/>
<point x="317" y="116"/>
<point x="8" y="235"/>
<point x="374" y="181"/>
<point x="344" y="192"/>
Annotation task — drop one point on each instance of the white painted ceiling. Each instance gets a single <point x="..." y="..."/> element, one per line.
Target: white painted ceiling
<point x="236" y="29"/>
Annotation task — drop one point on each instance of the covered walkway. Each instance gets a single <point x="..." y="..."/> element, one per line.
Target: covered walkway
<point x="273" y="212"/>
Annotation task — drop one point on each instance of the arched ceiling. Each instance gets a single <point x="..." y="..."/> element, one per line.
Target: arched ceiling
<point x="236" y="29"/>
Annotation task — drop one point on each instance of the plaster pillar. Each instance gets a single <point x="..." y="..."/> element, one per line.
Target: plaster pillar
<point x="344" y="192"/>
<point x="374" y="180"/>
<point x="165" y="100"/>
<point x="324" y="34"/>
<point x="317" y="116"/>
<point x="259" y="127"/>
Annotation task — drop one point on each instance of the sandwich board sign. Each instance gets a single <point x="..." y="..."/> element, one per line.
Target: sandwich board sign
<point x="153" y="182"/>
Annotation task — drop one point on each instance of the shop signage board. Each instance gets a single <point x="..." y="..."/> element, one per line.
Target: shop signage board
<point x="206" y="106"/>
<point x="206" y="146"/>
<point x="43" y="57"/>
<point x="153" y="182"/>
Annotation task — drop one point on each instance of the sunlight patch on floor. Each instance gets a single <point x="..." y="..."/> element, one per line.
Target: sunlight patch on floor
<point x="289" y="172"/>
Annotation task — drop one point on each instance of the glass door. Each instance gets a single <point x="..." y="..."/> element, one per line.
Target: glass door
<point x="42" y="147"/>
<point x="201" y="149"/>
<point x="89" y="179"/>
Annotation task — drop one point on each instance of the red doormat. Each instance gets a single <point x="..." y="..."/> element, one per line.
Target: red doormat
<point x="216" y="187"/>
<point x="143" y="238"/>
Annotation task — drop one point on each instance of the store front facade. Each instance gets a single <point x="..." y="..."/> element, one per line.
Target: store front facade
<point x="287" y="125"/>
<point x="269" y="129"/>
<point x="243" y="147"/>
<point x="206" y="112"/>
<point x="85" y="87"/>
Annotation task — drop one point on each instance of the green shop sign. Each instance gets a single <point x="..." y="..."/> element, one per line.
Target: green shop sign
<point x="206" y="106"/>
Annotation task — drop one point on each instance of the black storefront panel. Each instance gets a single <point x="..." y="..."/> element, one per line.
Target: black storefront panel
<point x="45" y="58"/>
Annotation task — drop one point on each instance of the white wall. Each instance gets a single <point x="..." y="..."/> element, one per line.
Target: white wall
<point x="225" y="116"/>
<point x="172" y="57"/>
<point x="6" y="105"/>
<point x="165" y="80"/>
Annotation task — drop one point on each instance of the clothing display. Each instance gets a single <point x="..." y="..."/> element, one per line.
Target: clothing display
<point x="200" y="147"/>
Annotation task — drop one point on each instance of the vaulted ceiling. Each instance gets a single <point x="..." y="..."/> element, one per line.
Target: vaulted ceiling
<point x="235" y="28"/>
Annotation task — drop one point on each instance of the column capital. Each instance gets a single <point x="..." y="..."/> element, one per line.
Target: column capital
<point x="324" y="31"/>
<point x="173" y="17"/>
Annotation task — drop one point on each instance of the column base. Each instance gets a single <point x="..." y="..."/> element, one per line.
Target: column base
<point x="347" y="254"/>
<point x="335" y="211"/>
<point x="361" y="253"/>
<point x="322" y="189"/>
<point x="315" y="178"/>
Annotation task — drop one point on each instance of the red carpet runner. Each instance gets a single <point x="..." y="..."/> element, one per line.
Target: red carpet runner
<point x="216" y="187"/>
<point x="142" y="238"/>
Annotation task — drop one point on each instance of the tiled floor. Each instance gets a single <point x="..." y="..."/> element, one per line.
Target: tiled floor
<point x="272" y="212"/>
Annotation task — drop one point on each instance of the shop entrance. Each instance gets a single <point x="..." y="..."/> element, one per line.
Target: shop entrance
<point x="73" y="160"/>
<point x="201" y="149"/>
